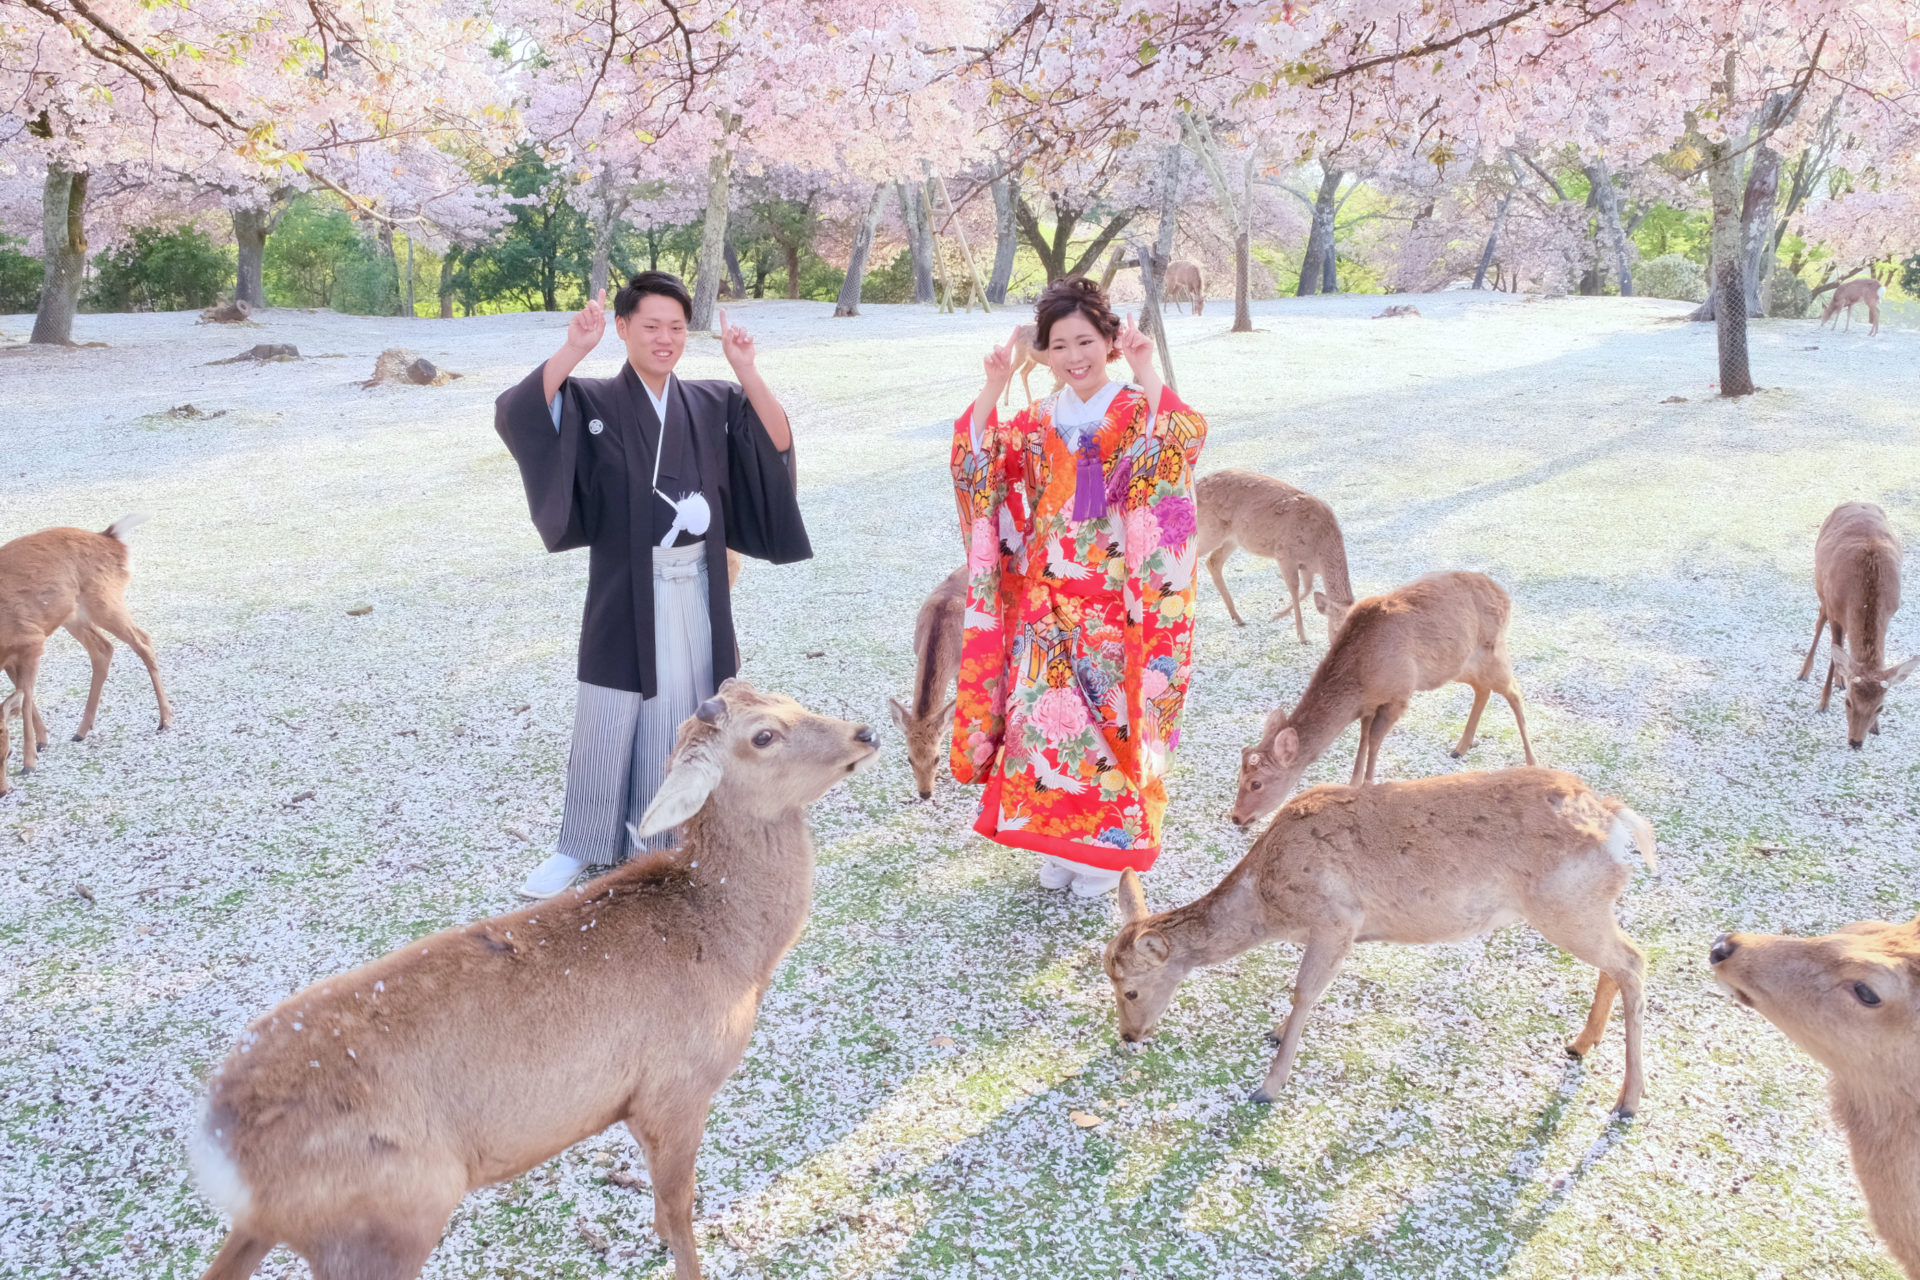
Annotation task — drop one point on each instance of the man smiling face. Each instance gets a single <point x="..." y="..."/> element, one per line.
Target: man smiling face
<point x="655" y="335"/>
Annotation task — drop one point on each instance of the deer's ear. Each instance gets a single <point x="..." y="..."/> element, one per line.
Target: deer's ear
<point x="1153" y="947"/>
<point x="691" y="779"/>
<point x="1896" y="674"/>
<point x="946" y="712"/>
<point x="1286" y="747"/>
<point x="1320" y="602"/>
<point x="1842" y="661"/>
<point x="901" y="716"/>
<point x="1133" y="898"/>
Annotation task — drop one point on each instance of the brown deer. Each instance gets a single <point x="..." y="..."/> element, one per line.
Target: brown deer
<point x="1436" y="629"/>
<point x="1271" y="518"/>
<point x="1434" y="860"/>
<point x="1856" y="575"/>
<point x="70" y="578"/>
<point x="354" y="1116"/>
<point x="1866" y="289"/>
<point x="1183" y="284"/>
<point x="1030" y="359"/>
<point x="928" y="725"/>
<point x="1852" y="1000"/>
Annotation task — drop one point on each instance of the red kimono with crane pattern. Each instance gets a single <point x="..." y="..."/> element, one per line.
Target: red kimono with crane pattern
<point x="1079" y="633"/>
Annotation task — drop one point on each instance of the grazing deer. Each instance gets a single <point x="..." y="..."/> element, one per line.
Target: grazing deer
<point x="355" y="1115"/>
<point x="928" y="725"/>
<point x="1271" y="518"/>
<point x="1183" y="284"/>
<point x="1030" y="359"/>
<point x="1437" y="629"/>
<point x="1852" y="1000"/>
<point x="70" y="578"/>
<point x="1866" y="289"/>
<point x="1856" y="575"/>
<point x="1435" y="860"/>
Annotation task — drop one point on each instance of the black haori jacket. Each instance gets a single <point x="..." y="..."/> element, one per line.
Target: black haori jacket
<point x="584" y="488"/>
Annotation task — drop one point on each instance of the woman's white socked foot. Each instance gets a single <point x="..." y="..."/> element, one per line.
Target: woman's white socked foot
<point x="551" y="876"/>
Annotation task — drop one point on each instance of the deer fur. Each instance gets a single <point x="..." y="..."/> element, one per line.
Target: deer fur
<point x="1436" y="629"/>
<point x="70" y="578"/>
<point x="1182" y="283"/>
<point x="1856" y="575"/>
<point x="1434" y="860"/>
<point x="354" y="1116"/>
<point x="1866" y="289"/>
<point x="928" y="724"/>
<point x="1852" y="1000"/>
<point x="1028" y="360"/>
<point x="1271" y="518"/>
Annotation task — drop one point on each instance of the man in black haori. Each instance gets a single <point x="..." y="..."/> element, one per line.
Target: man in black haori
<point x="658" y="478"/>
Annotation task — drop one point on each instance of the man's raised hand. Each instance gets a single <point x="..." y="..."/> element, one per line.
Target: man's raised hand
<point x="736" y="344"/>
<point x="589" y="325"/>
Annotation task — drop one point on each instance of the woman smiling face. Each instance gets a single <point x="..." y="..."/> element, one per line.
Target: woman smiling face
<point x="1078" y="354"/>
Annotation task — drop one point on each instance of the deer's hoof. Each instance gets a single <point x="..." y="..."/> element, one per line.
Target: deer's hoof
<point x="1621" y="1112"/>
<point x="1261" y="1096"/>
<point x="1273" y="1039"/>
<point x="1575" y="1052"/>
<point x="29" y="768"/>
<point x="79" y="737"/>
<point x="1456" y="754"/>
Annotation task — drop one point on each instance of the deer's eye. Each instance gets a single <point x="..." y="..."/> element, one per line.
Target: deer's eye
<point x="1133" y="995"/>
<point x="763" y="737"/>
<point x="1865" y="994"/>
<point x="1254" y="785"/>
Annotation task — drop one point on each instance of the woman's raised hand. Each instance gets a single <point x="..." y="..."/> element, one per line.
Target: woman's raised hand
<point x="1136" y="348"/>
<point x="999" y="364"/>
<point x="589" y="325"/>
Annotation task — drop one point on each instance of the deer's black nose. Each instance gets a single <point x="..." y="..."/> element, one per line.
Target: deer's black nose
<point x="1856" y="743"/>
<point x="1723" y="946"/>
<point x="864" y="734"/>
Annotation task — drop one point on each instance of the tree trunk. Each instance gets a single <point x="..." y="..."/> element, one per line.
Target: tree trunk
<point x="250" y="227"/>
<point x="736" y="279"/>
<point x="793" y="271"/>
<point x="447" y="261"/>
<point x="1493" y="240"/>
<point x="914" y="213"/>
<point x="1006" y="238"/>
<point x="1313" y="264"/>
<point x="856" y="278"/>
<point x="713" y="237"/>
<point x="1153" y="267"/>
<point x="1330" y="264"/>
<point x="63" y="206"/>
<point x="1606" y="198"/>
<point x="413" y="311"/>
<point x="1756" y="226"/>
<point x="1728" y="287"/>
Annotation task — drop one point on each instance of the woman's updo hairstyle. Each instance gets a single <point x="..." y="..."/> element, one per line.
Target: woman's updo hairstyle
<point x="1063" y="298"/>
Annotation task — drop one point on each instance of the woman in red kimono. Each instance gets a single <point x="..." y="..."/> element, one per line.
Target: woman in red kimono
<point x="1079" y="521"/>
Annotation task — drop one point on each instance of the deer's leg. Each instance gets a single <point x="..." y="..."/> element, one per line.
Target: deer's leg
<point x="1324" y="954"/>
<point x="24" y="677"/>
<point x="112" y="616"/>
<point x="100" y="652"/>
<point x="39" y="727"/>
<point x="1819" y="625"/>
<point x="1597" y="939"/>
<point x="1873" y="314"/>
<point x="1217" y="561"/>
<point x="1360" y="755"/>
<point x="1290" y="580"/>
<point x="1603" y="993"/>
<point x="671" y="1144"/>
<point x="1512" y="694"/>
<point x="1480" y="695"/>
<point x="1383" y="720"/>
<point x="7" y="705"/>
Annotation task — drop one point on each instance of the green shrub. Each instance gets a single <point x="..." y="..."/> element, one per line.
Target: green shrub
<point x="1671" y="276"/>
<point x="1909" y="275"/>
<point x="19" y="279"/>
<point x="161" y="268"/>
<point x="316" y="257"/>
<point x="1788" y="296"/>
<point x="891" y="283"/>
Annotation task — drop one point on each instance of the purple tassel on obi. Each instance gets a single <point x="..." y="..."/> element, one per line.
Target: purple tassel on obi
<point x="1089" y="482"/>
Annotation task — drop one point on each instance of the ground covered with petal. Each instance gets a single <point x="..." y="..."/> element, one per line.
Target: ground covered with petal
<point x="338" y="782"/>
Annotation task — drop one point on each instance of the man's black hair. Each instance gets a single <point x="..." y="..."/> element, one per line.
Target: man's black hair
<point x="664" y="283"/>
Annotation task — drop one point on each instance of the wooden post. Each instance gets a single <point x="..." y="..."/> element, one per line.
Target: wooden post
<point x="966" y="251"/>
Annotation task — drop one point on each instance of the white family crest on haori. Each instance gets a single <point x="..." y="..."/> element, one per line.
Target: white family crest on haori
<point x="596" y="427"/>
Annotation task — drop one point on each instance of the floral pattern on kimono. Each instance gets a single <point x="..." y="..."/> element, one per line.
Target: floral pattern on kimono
<point x="1079" y="633"/>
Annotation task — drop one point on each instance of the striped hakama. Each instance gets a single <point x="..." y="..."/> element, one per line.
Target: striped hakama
<point x="621" y="741"/>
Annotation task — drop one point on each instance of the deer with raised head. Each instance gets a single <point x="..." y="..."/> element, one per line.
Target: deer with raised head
<point x="1294" y="529"/>
<point x="1856" y="575"/>
<point x="1183" y="284"/>
<point x="72" y="578"/>
<point x="928" y="724"/>
<point x="354" y="1116"/>
<point x="1029" y="360"/>
<point x="1435" y="860"/>
<point x="1852" y="1000"/>
<point x="1849" y="295"/>
<point x="1435" y="630"/>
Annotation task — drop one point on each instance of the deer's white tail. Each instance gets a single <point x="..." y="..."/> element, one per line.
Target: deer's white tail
<point x="125" y="525"/>
<point x="1631" y="831"/>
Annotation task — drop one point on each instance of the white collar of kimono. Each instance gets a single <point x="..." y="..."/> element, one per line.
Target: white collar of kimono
<point x="659" y="401"/>
<point x="691" y="512"/>
<point x="1072" y="415"/>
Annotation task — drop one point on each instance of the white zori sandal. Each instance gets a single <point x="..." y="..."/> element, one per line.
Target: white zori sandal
<point x="553" y="876"/>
